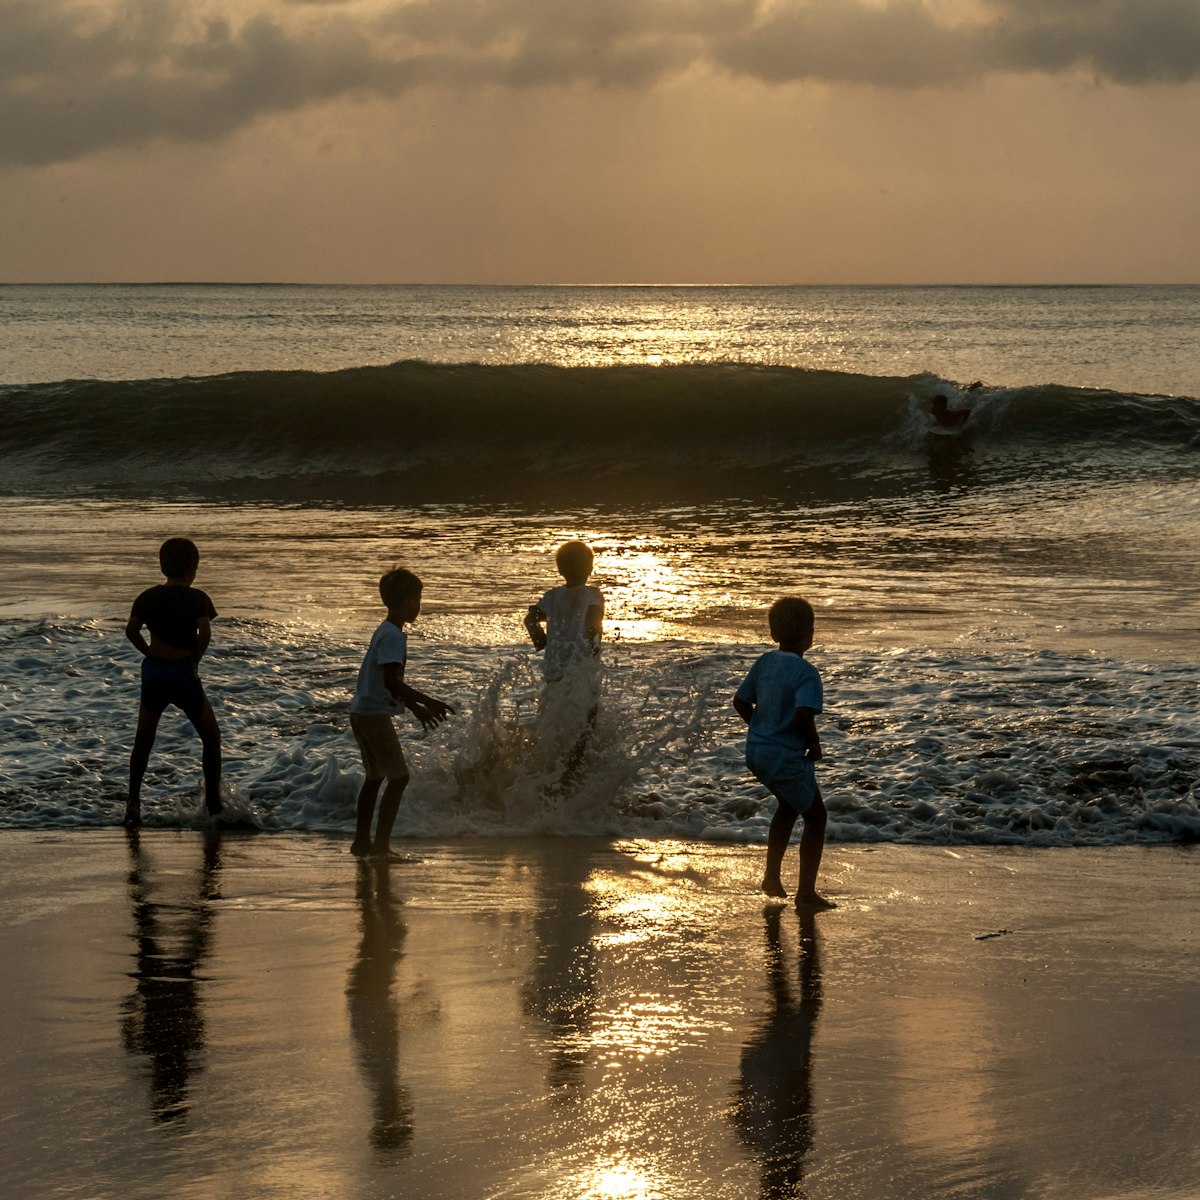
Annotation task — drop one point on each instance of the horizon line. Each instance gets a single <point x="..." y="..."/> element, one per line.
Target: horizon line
<point x="264" y="283"/>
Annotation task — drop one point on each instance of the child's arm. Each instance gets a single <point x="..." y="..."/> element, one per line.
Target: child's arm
<point x="745" y="709"/>
<point x="133" y="631"/>
<point x="593" y="627"/>
<point x="426" y="709"/>
<point x="203" y="636"/>
<point x="533" y="624"/>
<point x="807" y="724"/>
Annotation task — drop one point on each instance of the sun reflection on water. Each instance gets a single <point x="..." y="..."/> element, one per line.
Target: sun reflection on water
<point x="652" y="587"/>
<point x="650" y="592"/>
<point x="611" y="1178"/>
<point x="619" y="1181"/>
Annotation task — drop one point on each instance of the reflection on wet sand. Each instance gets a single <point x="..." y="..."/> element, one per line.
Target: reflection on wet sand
<point x="163" y="1018"/>
<point x="561" y="990"/>
<point x="374" y="1012"/>
<point x="773" y="1111"/>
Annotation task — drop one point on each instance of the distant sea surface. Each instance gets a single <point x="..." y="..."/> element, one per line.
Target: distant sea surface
<point x="1131" y="339"/>
<point x="1008" y="615"/>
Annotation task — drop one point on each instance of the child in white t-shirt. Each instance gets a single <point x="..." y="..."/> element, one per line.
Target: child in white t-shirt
<point x="573" y="615"/>
<point x="568" y="624"/>
<point x="382" y="692"/>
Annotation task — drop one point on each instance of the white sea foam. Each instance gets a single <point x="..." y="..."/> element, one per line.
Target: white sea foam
<point x="921" y="746"/>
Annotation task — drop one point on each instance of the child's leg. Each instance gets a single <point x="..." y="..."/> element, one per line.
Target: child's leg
<point x="777" y="843"/>
<point x="574" y="760"/>
<point x="139" y="759"/>
<point x="812" y="843"/>
<point x="210" y="739"/>
<point x="367" y="795"/>
<point x="389" y="806"/>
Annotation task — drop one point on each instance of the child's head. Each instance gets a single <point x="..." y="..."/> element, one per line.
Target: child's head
<point x="178" y="558"/>
<point x="574" y="561"/>
<point x="791" y="620"/>
<point x="400" y="589"/>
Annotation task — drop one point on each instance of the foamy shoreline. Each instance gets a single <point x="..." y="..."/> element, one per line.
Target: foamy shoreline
<point x="925" y="746"/>
<point x="259" y="1015"/>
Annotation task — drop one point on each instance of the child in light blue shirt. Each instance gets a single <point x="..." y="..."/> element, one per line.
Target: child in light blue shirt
<point x="779" y="700"/>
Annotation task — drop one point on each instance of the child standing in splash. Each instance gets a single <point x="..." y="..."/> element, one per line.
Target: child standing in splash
<point x="573" y="615"/>
<point x="568" y="624"/>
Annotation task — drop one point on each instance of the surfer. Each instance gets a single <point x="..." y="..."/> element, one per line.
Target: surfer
<point x="947" y="417"/>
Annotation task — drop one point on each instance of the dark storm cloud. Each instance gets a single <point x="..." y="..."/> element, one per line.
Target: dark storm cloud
<point x="72" y="83"/>
<point x="1124" y="41"/>
<point x="76" y="79"/>
<point x="902" y="44"/>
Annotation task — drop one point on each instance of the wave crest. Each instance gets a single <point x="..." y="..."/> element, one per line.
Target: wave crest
<point x="448" y="431"/>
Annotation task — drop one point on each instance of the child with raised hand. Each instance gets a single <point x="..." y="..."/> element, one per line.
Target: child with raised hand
<point x="178" y="618"/>
<point x="779" y="700"/>
<point x="568" y="624"/>
<point x="573" y="614"/>
<point x="381" y="692"/>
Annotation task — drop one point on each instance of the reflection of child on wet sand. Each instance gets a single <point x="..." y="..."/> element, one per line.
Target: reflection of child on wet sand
<point x="779" y="700"/>
<point x="573" y="619"/>
<point x="178" y="617"/>
<point x="382" y="692"/>
<point x="774" y="1109"/>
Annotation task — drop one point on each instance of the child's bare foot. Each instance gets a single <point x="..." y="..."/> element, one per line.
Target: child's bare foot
<point x="360" y="848"/>
<point x="214" y="806"/>
<point x="814" y="900"/>
<point x="774" y="887"/>
<point x="133" y="815"/>
<point x="385" y="854"/>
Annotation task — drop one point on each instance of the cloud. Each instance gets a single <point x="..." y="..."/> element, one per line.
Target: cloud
<point x="1122" y="41"/>
<point x="76" y="79"/>
<point x="897" y="45"/>
<point x="903" y="44"/>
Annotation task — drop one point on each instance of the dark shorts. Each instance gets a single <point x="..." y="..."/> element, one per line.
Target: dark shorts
<point x="172" y="681"/>
<point x="793" y="784"/>
<point x="382" y="754"/>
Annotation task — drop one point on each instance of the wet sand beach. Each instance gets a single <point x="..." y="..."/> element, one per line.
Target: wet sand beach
<point x="191" y="1015"/>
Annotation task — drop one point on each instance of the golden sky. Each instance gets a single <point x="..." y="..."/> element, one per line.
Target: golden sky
<point x="541" y="141"/>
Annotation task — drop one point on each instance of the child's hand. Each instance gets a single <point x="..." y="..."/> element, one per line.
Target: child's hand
<point x="814" y="752"/>
<point x="533" y="626"/>
<point x="430" y="712"/>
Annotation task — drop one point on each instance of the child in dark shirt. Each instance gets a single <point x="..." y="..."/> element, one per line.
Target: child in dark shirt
<point x="177" y="616"/>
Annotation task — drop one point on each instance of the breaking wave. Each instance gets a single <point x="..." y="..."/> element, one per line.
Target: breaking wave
<point x="444" y="432"/>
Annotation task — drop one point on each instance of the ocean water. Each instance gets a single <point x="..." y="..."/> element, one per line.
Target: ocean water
<point x="1008" y="618"/>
